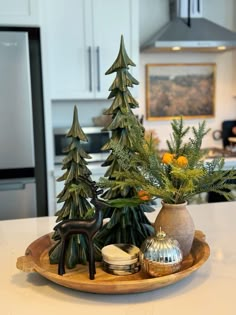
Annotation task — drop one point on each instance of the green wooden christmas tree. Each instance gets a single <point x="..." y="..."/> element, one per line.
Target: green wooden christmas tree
<point x="127" y="224"/>
<point x="75" y="203"/>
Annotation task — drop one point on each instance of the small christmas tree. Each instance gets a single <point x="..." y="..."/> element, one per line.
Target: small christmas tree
<point x="128" y="223"/>
<point x="75" y="203"/>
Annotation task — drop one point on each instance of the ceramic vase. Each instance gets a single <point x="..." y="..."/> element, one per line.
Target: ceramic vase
<point x="177" y="222"/>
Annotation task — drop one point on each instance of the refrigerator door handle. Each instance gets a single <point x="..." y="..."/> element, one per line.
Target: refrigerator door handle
<point x="12" y="186"/>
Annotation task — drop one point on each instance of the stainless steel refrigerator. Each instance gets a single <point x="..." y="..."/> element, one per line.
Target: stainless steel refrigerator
<point x="20" y="126"/>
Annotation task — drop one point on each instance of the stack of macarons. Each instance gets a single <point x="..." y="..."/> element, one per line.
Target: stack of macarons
<point x="120" y="259"/>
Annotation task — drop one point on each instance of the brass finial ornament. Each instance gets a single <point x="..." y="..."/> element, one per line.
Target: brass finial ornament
<point x="160" y="255"/>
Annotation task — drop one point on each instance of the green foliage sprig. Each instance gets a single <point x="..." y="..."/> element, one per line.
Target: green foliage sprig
<point x="179" y="174"/>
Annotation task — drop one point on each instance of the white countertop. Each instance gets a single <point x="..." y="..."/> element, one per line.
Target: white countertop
<point x="209" y="290"/>
<point x="230" y="162"/>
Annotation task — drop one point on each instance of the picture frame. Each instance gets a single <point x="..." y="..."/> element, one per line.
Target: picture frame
<point x="186" y="90"/>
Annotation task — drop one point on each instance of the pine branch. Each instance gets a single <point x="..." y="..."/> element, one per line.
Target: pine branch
<point x="144" y="169"/>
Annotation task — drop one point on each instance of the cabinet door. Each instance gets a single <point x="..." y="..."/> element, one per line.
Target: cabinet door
<point x="70" y="51"/>
<point x="19" y="12"/>
<point x="83" y="40"/>
<point x="111" y="19"/>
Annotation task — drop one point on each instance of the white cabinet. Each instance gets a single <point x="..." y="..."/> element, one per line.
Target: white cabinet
<point x="83" y="41"/>
<point x="69" y="49"/>
<point x="19" y="13"/>
<point x="111" y="18"/>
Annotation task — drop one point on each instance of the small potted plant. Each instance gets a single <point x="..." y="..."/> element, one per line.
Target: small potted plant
<point x="175" y="177"/>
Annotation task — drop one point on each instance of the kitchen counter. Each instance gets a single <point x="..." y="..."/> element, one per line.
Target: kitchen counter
<point x="209" y="290"/>
<point x="230" y="162"/>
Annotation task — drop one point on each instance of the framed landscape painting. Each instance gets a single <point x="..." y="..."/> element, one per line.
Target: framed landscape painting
<point x="186" y="90"/>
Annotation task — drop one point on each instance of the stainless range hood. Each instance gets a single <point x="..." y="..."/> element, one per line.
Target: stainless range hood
<point x="189" y="31"/>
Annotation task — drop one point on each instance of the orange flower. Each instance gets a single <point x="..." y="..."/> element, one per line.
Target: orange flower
<point x="144" y="195"/>
<point x="182" y="161"/>
<point x="167" y="158"/>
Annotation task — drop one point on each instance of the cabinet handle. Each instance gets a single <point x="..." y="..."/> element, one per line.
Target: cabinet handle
<point x="90" y="67"/>
<point x="98" y="69"/>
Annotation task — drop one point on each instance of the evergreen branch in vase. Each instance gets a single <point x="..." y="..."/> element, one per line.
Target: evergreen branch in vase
<point x="179" y="174"/>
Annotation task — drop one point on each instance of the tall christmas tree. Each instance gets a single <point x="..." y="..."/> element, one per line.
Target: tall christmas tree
<point x="75" y="203"/>
<point x="127" y="224"/>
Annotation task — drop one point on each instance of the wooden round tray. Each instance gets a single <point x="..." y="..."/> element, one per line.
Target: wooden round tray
<point x="36" y="259"/>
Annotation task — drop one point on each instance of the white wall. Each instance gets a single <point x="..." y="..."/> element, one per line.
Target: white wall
<point x="220" y="12"/>
<point x="62" y="111"/>
<point x="153" y="14"/>
<point x="225" y="104"/>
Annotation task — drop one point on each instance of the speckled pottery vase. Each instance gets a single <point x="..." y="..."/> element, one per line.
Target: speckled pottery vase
<point x="177" y="222"/>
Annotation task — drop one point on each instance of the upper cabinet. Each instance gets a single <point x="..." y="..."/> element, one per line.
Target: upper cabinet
<point x="83" y="41"/>
<point x="19" y="13"/>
